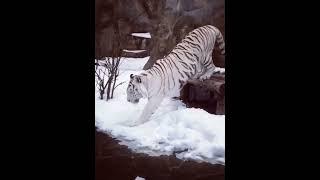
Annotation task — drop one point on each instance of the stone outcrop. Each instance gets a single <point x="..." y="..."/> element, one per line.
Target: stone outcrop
<point x="208" y="95"/>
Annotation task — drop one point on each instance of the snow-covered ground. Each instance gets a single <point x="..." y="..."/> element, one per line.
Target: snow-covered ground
<point x="144" y="35"/>
<point x="190" y="132"/>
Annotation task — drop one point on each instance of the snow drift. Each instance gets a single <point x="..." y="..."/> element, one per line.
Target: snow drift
<point x="189" y="133"/>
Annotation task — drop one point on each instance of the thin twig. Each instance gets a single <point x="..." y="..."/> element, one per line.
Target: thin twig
<point x="119" y="84"/>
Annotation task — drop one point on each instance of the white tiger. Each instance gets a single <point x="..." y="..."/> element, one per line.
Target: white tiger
<point x="190" y="59"/>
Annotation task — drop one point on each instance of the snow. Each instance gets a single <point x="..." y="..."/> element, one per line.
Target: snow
<point x="219" y="69"/>
<point x="139" y="178"/>
<point x="129" y="64"/>
<point x="144" y="35"/>
<point x="190" y="133"/>
<point x="134" y="51"/>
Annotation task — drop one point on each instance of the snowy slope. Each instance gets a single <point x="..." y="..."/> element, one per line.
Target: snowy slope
<point x="194" y="133"/>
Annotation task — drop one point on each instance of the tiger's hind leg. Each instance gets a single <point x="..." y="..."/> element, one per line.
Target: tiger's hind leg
<point x="208" y="72"/>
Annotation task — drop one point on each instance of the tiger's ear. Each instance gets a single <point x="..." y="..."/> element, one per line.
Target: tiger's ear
<point x="131" y="76"/>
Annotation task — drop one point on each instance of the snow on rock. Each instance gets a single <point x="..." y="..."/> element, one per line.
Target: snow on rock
<point x="220" y="70"/>
<point x="190" y="133"/>
<point x="134" y="51"/>
<point x="144" y="35"/>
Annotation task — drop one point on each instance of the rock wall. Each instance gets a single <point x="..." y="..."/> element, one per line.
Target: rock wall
<point x="168" y="21"/>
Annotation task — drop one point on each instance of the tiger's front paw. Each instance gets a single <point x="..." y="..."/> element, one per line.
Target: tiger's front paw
<point x="204" y="77"/>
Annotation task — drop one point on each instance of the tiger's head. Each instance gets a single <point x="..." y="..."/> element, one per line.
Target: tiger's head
<point x="135" y="89"/>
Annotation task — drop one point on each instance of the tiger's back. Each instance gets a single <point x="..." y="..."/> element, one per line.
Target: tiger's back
<point x="190" y="59"/>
